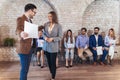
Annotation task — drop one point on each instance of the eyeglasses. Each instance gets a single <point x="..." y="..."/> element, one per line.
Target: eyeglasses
<point x="83" y="31"/>
<point x="34" y="11"/>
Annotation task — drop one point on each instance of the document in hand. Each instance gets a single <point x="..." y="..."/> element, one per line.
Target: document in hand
<point x="99" y="50"/>
<point x="111" y="50"/>
<point x="112" y="42"/>
<point x="70" y="45"/>
<point x="40" y="43"/>
<point x="31" y="29"/>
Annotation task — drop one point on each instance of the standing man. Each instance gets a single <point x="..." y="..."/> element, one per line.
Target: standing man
<point x="24" y="45"/>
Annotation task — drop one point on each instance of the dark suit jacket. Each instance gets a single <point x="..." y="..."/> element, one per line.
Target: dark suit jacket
<point x="92" y="41"/>
<point x="23" y="46"/>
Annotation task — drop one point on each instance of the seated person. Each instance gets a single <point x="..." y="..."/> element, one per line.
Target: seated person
<point x="82" y="44"/>
<point x="69" y="43"/>
<point x="40" y="52"/>
<point x="110" y="45"/>
<point x="96" y="43"/>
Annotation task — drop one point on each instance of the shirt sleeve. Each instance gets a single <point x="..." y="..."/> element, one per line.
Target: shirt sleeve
<point x="73" y="42"/>
<point x="77" y="42"/>
<point x="106" y="41"/>
<point x="65" y="43"/>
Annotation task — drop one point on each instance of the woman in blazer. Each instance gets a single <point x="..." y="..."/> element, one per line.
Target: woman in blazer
<point x="52" y="35"/>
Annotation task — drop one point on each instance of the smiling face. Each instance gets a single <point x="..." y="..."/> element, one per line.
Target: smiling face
<point x="50" y="18"/>
<point x="96" y="31"/>
<point x="39" y="33"/>
<point x="69" y="33"/>
<point x="32" y="13"/>
<point x="83" y="32"/>
<point x="111" y="32"/>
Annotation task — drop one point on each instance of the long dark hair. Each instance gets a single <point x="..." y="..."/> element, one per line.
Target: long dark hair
<point x="54" y="17"/>
<point x="71" y="36"/>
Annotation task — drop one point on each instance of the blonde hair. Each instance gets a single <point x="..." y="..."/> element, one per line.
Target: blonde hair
<point x="111" y="35"/>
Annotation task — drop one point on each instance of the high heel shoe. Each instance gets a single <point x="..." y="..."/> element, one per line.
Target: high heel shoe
<point x="67" y="66"/>
<point x="71" y="65"/>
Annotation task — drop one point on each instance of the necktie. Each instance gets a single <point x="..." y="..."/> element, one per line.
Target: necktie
<point x="30" y="20"/>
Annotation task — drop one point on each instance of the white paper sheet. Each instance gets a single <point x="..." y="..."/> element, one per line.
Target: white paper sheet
<point x="99" y="50"/>
<point x="86" y="47"/>
<point x="31" y="29"/>
<point x="111" y="51"/>
<point x="40" y="43"/>
<point x="70" y="45"/>
<point x="112" y="48"/>
<point x="112" y="41"/>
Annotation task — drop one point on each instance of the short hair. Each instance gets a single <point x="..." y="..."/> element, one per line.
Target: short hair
<point x="40" y="28"/>
<point x="84" y="29"/>
<point x="29" y="6"/>
<point x="97" y="28"/>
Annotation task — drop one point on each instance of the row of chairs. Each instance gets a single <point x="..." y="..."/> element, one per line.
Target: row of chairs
<point x="61" y="58"/>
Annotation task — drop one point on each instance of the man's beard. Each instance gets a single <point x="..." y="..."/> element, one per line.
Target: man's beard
<point x="31" y="17"/>
<point x="95" y="33"/>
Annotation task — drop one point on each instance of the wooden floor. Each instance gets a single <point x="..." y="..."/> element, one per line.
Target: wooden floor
<point x="10" y="71"/>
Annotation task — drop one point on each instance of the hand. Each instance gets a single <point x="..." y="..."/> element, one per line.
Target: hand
<point x="24" y="34"/>
<point x="94" y="48"/>
<point x="46" y="38"/>
<point x="86" y="47"/>
<point x="69" y="48"/>
<point x="110" y="44"/>
<point x="106" y="48"/>
<point x="49" y="39"/>
<point x="103" y="48"/>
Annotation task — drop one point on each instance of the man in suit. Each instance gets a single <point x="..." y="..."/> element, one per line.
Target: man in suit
<point x="95" y="41"/>
<point x="24" y="45"/>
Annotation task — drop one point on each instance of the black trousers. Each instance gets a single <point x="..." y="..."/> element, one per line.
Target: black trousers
<point x="51" y="59"/>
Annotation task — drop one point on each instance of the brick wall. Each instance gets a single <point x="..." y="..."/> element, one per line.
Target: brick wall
<point x="72" y="14"/>
<point x="104" y="14"/>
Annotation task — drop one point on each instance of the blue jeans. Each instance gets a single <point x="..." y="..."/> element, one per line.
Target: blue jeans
<point x="95" y="55"/>
<point x="25" y="63"/>
<point x="105" y="52"/>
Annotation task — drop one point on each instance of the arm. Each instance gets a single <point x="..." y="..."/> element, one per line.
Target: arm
<point x="102" y="41"/>
<point x="90" y="42"/>
<point x="87" y="43"/>
<point x="73" y="42"/>
<point x="59" y="37"/>
<point x="20" y="29"/>
<point x="65" y="44"/>
<point x="106" y="41"/>
<point x="77" y="42"/>
<point x="20" y="26"/>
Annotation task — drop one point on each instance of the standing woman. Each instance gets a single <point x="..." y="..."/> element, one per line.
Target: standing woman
<point x="52" y="34"/>
<point x="110" y="45"/>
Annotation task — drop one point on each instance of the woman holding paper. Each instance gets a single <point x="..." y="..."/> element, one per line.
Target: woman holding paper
<point x="52" y="34"/>
<point x="110" y="45"/>
<point x="69" y="43"/>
